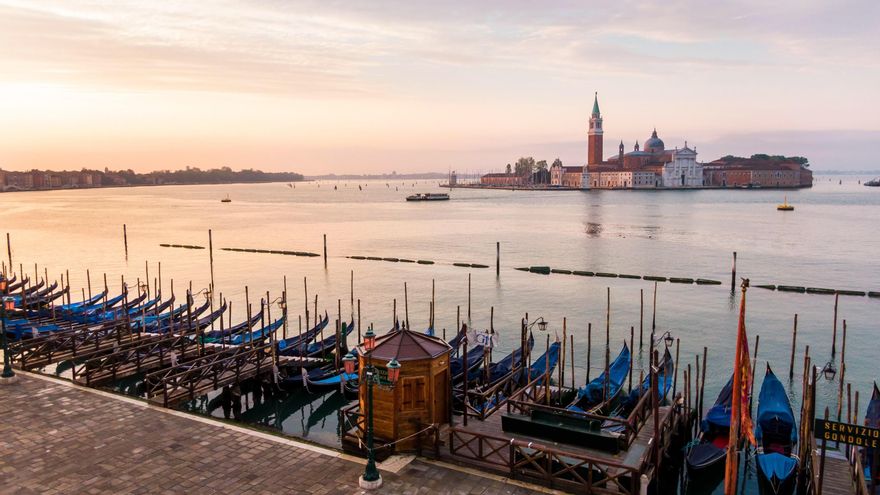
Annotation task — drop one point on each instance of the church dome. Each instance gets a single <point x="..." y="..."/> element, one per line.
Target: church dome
<point x="654" y="144"/>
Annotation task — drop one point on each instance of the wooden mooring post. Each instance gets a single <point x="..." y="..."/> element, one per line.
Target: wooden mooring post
<point x="733" y="274"/>
<point x="834" y="330"/>
<point x="125" y="239"/>
<point x="497" y="259"/>
<point x="793" y="347"/>
<point x="325" y="250"/>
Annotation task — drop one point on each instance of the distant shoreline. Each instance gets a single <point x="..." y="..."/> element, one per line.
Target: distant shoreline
<point x="128" y="186"/>
<point x="562" y="188"/>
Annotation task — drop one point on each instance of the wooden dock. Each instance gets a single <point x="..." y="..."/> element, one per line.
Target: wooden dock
<point x="838" y="479"/>
<point x="215" y="370"/>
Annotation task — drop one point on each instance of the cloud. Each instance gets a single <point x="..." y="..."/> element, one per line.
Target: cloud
<point x="319" y="48"/>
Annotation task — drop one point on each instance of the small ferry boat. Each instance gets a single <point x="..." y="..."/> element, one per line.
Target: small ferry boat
<point x="875" y="182"/>
<point x="226" y="199"/>
<point x="428" y="197"/>
<point x="785" y="206"/>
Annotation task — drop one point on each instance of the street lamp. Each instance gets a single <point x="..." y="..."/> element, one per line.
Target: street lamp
<point x="829" y="371"/>
<point x="6" y="304"/>
<point x="541" y="322"/>
<point x="667" y="337"/>
<point x="371" y="478"/>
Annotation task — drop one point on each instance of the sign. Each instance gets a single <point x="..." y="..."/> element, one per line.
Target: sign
<point x="485" y="338"/>
<point x="381" y="376"/>
<point x="860" y="436"/>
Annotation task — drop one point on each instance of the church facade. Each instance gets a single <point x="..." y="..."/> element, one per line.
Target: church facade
<point x="649" y="167"/>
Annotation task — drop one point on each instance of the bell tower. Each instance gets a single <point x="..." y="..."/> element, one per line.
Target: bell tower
<point x="594" y="136"/>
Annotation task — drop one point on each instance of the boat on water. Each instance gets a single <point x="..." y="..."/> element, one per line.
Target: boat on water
<point x="785" y="206"/>
<point x="871" y="460"/>
<point x="602" y="391"/>
<point x="428" y="197"/>
<point x="777" y="437"/>
<point x="875" y="182"/>
<point x="711" y="449"/>
<point x="226" y="199"/>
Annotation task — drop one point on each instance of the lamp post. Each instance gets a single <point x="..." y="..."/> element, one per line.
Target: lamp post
<point x="6" y="304"/>
<point x="667" y="338"/>
<point x="371" y="479"/>
<point x="541" y="322"/>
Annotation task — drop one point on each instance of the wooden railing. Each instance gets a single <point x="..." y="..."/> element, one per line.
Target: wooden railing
<point x="481" y="404"/>
<point x="528" y="398"/>
<point x="213" y="371"/>
<point x="34" y="353"/>
<point x="133" y="355"/>
<point x="539" y="462"/>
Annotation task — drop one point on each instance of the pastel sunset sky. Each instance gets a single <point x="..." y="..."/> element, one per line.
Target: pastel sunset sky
<point x="375" y="86"/>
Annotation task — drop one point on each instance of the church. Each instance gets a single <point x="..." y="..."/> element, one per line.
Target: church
<point x="650" y="167"/>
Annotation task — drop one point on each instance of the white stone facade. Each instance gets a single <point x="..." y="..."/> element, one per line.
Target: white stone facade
<point x="683" y="170"/>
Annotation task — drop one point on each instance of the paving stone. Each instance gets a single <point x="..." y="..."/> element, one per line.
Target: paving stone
<point x="67" y="440"/>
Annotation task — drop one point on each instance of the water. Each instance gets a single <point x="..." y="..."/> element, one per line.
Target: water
<point x="830" y="240"/>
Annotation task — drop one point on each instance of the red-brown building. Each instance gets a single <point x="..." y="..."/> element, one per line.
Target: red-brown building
<point x="749" y="172"/>
<point x="502" y="180"/>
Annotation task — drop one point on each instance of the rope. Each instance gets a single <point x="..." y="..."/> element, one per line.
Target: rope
<point x="360" y="440"/>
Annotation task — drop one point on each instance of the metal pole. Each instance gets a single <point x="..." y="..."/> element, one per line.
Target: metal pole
<point x="370" y="473"/>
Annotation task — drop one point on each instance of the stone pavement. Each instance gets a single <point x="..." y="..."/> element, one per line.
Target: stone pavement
<point x="56" y="438"/>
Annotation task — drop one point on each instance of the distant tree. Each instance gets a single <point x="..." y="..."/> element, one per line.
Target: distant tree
<point x="800" y="160"/>
<point x="541" y="165"/>
<point x="508" y="169"/>
<point x="760" y="156"/>
<point x="557" y="162"/>
<point x="524" y="166"/>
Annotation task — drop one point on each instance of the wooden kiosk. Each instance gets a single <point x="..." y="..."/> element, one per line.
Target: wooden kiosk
<point x="421" y="396"/>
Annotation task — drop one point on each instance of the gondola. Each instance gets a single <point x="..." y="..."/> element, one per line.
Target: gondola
<point x="711" y="450"/>
<point x="664" y="382"/>
<point x="474" y="361"/>
<point x="592" y="396"/>
<point x="296" y="380"/>
<point x="217" y="335"/>
<point x="256" y="335"/>
<point x="545" y="363"/>
<point x="777" y="437"/>
<point x="12" y="286"/>
<point x="293" y="345"/>
<point x="65" y="308"/>
<point x="502" y="368"/>
<point x="872" y="456"/>
<point x="327" y="345"/>
<point x="334" y="380"/>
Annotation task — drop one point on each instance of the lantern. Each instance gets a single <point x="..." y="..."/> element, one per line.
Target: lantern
<point x="2" y="285"/>
<point x="8" y="303"/>
<point x="393" y="371"/>
<point x="669" y="340"/>
<point x="349" y="361"/>
<point x="542" y="325"/>
<point x="829" y="371"/>
<point x="369" y="340"/>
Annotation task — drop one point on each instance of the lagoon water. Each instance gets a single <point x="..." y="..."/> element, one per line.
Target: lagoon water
<point x="830" y="240"/>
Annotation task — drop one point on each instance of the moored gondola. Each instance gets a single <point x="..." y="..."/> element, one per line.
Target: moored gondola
<point x="871" y="460"/>
<point x="711" y="449"/>
<point x="777" y="437"/>
<point x="603" y="390"/>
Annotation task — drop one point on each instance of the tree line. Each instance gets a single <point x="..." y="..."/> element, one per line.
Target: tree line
<point x="526" y="166"/>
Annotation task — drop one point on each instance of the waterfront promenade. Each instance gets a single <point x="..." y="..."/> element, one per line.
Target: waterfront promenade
<point x="57" y="438"/>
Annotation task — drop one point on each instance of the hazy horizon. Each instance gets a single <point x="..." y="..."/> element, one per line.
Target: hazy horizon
<point x="329" y="87"/>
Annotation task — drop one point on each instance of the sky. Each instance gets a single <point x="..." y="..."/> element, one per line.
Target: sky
<point x="369" y="87"/>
